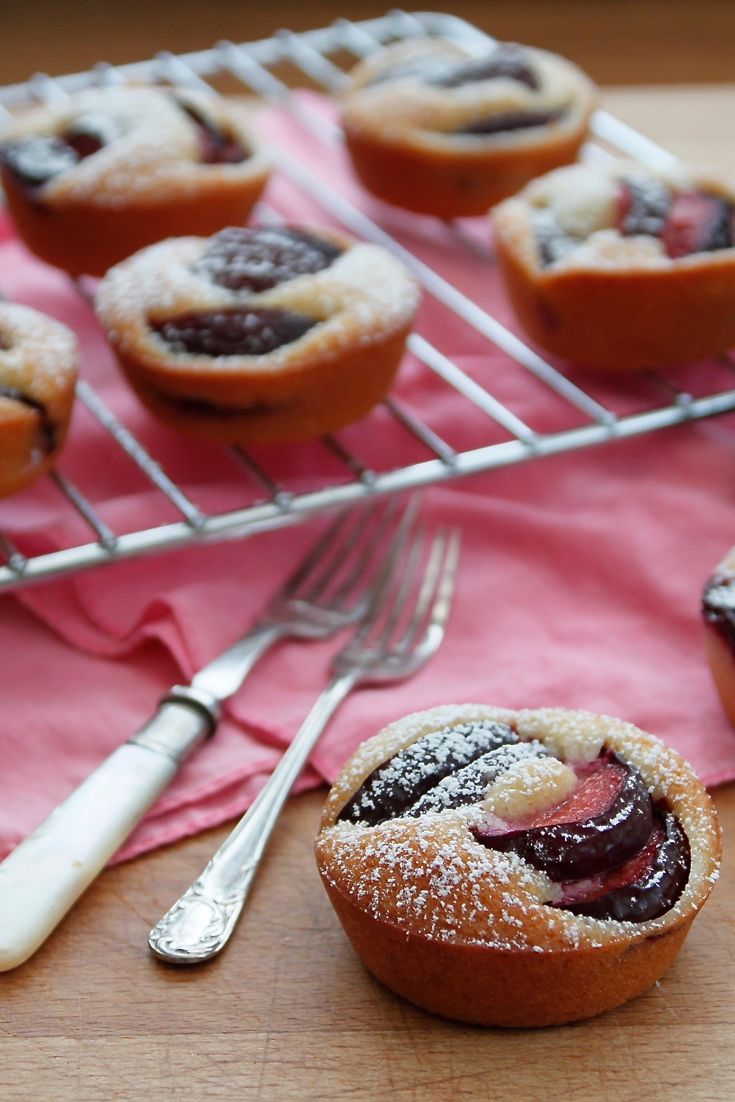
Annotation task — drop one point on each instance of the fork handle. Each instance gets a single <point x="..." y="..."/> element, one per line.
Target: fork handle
<point x="199" y="924"/>
<point x="48" y="871"/>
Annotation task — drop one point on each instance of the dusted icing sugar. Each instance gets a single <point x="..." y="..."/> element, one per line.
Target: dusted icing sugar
<point x="436" y="113"/>
<point x="364" y="294"/>
<point x="430" y="875"/>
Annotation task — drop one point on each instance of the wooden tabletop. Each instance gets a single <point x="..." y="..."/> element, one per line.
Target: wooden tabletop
<point x="288" y="1013"/>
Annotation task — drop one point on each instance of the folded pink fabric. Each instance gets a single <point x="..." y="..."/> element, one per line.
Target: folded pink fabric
<point x="580" y="582"/>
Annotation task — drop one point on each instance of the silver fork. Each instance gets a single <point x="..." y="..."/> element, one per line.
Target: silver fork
<point x="45" y="875"/>
<point x="402" y="629"/>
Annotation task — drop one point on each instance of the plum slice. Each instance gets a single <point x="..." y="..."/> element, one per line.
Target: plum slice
<point x="399" y="783"/>
<point x="46" y="427"/>
<point x="643" y="206"/>
<point x="35" y="161"/>
<point x="217" y="146"/>
<point x="244" y="259"/>
<point x="469" y="784"/>
<point x="697" y="223"/>
<point x="718" y="606"/>
<point x="506" y="60"/>
<point x="606" y="819"/>
<point x="643" y="888"/>
<point x="243" y="332"/>
<point x="511" y="120"/>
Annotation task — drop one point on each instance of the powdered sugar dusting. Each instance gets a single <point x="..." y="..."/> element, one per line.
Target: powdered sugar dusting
<point x="413" y="111"/>
<point x="155" y="155"/>
<point x="529" y="786"/>
<point x="364" y="295"/>
<point x="38" y="355"/>
<point x="431" y="876"/>
<point x="577" y="208"/>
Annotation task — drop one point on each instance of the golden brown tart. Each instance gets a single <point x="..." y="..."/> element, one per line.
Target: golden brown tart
<point x="259" y="335"/>
<point x="38" y="371"/>
<point x="619" y="267"/>
<point x="439" y="130"/>
<point x="94" y="178"/>
<point x="517" y="868"/>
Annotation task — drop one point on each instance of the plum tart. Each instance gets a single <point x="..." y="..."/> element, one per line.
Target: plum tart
<point x="38" y="372"/>
<point x="101" y="174"/>
<point x="259" y="334"/>
<point x="619" y="267"/>
<point x="517" y="868"/>
<point x="436" y="129"/>
<point x="718" y="612"/>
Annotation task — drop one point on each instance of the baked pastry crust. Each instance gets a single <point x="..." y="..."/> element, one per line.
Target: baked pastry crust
<point x="718" y="610"/>
<point x="362" y="306"/>
<point x="147" y="182"/>
<point x="613" y="303"/>
<point x="409" y="139"/>
<point x="38" y="371"/>
<point x="468" y="932"/>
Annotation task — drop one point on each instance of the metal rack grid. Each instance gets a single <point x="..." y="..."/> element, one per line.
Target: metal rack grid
<point x="320" y="59"/>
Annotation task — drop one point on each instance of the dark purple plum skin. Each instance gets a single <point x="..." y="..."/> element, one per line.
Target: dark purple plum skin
<point x="505" y="121"/>
<point x="216" y="146"/>
<point x="718" y="606"/>
<point x="469" y="784"/>
<point x="255" y="259"/>
<point x="575" y="851"/>
<point x="506" y="60"/>
<point x="397" y="784"/>
<point x="242" y="332"/>
<point x="654" y="893"/>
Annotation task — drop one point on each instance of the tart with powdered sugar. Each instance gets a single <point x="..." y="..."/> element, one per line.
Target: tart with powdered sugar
<point x="262" y="334"/>
<point x="38" y="371"/>
<point x="93" y="178"/>
<point x="435" y="128"/>
<point x="619" y="267"/>
<point x="718" y="611"/>
<point x="517" y="868"/>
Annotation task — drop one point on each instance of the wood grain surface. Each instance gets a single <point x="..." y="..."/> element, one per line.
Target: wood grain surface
<point x="288" y="1013"/>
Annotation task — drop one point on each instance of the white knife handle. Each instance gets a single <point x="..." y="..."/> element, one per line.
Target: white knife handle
<point x="45" y="875"/>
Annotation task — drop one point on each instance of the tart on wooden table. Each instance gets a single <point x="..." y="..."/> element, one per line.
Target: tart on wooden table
<point x="517" y="868"/>
<point x="619" y="267"/>
<point x="257" y="335"/>
<point x="437" y="129"/>
<point x="93" y="178"/>
<point x="38" y="372"/>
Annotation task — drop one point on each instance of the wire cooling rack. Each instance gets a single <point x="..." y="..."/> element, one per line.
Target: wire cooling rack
<point x="274" y="69"/>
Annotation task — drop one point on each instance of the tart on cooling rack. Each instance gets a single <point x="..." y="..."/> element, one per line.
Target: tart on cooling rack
<point x="521" y="868"/>
<point x="718" y="611"/>
<point x="259" y="335"/>
<point x="101" y="174"/>
<point x="439" y="130"/>
<point x="620" y="267"/>
<point x="38" y="371"/>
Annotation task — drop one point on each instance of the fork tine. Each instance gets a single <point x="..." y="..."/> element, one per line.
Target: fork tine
<point x="359" y="568"/>
<point x="386" y="575"/>
<point x="324" y="544"/>
<point x="354" y="535"/>
<point x="438" y="581"/>
<point x="394" y="604"/>
<point x="435" y="596"/>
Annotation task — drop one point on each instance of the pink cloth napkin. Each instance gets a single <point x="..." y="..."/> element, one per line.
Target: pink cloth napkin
<point x="580" y="582"/>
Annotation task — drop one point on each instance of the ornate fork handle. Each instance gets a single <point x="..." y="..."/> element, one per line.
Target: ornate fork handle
<point x="201" y="921"/>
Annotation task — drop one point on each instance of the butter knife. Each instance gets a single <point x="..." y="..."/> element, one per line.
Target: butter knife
<point x="43" y="877"/>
